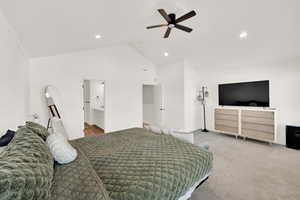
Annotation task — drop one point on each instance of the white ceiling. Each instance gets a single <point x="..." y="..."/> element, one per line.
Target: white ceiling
<point x="59" y="26"/>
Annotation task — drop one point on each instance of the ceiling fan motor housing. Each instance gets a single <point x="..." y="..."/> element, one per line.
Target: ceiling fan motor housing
<point x="173" y="18"/>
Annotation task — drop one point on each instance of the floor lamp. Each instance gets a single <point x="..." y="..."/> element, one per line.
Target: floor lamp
<point x="51" y="106"/>
<point x="203" y="94"/>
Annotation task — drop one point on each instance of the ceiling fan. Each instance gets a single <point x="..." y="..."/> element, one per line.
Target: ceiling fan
<point x="173" y="22"/>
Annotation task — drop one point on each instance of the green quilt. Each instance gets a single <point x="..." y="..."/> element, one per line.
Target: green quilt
<point x="136" y="164"/>
<point x="26" y="168"/>
<point x="77" y="181"/>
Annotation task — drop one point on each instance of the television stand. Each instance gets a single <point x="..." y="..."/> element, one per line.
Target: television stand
<point x="254" y="123"/>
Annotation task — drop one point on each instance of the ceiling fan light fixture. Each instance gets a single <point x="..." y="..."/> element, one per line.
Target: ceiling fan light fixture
<point x="97" y="37"/>
<point x="243" y="34"/>
<point x="166" y="54"/>
<point x="171" y="25"/>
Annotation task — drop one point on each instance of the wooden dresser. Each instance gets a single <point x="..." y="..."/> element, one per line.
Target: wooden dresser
<point x="258" y="124"/>
<point x="227" y="121"/>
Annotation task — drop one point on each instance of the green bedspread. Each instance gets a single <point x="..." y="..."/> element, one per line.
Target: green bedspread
<point x="77" y="181"/>
<point x="136" y="164"/>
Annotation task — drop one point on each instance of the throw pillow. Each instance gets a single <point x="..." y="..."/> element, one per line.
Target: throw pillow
<point x="58" y="127"/>
<point x="5" y="139"/>
<point x="26" y="168"/>
<point x="38" y="129"/>
<point x="156" y="129"/>
<point x="61" y="149"/>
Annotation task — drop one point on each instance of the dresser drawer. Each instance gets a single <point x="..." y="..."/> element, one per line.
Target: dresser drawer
<point x="259" y="127"/>
<point x="233" y="130"/>
<point x="259" y="135"/>
<point x="254" y="120"/>
<point x="227" y="120"/>
<point x="219" y="116"/>
<point x="258" y="114"/>
<point x="229" y="123"/>
<point x="226" y="112"/>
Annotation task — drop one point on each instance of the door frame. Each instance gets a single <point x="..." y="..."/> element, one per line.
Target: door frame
<point x="161" y="123"/>
<point x="104" y="101"/>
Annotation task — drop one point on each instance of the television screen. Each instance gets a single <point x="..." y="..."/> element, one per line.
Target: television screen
<point x="254" y="94"/>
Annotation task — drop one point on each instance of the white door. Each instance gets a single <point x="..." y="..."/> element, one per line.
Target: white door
<point x="86" y="101"/>
<point x="158" y="105"/>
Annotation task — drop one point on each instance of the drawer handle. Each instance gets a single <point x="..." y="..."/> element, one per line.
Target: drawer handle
<point x="297" y="134"/>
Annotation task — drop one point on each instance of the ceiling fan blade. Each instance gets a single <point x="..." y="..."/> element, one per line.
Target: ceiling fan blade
<point x="167" y="32"/>
<point x="186" y="16"/>
<point x="157" y="26"/>
<point x="183" y="28"/>
<point x="164" y="14"/>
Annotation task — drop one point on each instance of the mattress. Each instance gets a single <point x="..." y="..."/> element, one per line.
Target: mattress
<point x="138" y="164"/>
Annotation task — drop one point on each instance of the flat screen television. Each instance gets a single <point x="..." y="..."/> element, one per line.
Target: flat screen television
<point x="255" y="94"/>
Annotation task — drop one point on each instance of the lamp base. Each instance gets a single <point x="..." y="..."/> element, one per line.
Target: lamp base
<point x="204" y="130"/>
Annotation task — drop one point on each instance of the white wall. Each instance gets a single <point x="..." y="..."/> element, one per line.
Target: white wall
<point x="171" y="77"/>
<point x="120" y="67"/>
<point x="192" y="107"/>
<point x="180" y="85"/>
<point x="284" y="88"/>
<point x="14" y="87"/>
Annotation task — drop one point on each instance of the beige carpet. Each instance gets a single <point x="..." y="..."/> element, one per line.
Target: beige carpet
<point x="248" y="170"/>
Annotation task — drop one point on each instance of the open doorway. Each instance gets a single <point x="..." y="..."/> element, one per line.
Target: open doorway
<point x="153" y="109"/>
<point x="94" y="107"/>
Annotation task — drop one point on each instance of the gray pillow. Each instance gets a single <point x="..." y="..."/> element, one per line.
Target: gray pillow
<point x="26" y="168"/>
<point x="38" y="129"/>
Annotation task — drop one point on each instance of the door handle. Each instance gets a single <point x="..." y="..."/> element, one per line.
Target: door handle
<point x="162" y="109"/>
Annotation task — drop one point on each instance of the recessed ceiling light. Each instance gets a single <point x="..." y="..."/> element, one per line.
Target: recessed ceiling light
<point x="98" y="36"/>
<point x="243" y="35"/>
<point x="166" y="54"/>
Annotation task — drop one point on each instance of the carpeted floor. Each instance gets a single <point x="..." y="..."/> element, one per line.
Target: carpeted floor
<point x="248" y="170"/>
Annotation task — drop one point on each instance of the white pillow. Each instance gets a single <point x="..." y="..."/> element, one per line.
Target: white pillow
<point x="155" y="129"/>
<point x="61" y="150"/>
<point x="166" y="131"/>
<point x="204" y="145"/>
<point x="147" y="127"/>
<point x="58" y="127"/>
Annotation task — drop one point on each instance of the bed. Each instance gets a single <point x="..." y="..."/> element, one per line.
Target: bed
<point x="132" y="164"/>
<point x="138" y="164"/>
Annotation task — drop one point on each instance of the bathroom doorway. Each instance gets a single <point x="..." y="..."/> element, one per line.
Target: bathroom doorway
<point x="94" y="107"/>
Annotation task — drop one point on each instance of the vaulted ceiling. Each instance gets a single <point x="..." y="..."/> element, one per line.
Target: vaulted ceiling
<point x="59" y="26"/>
